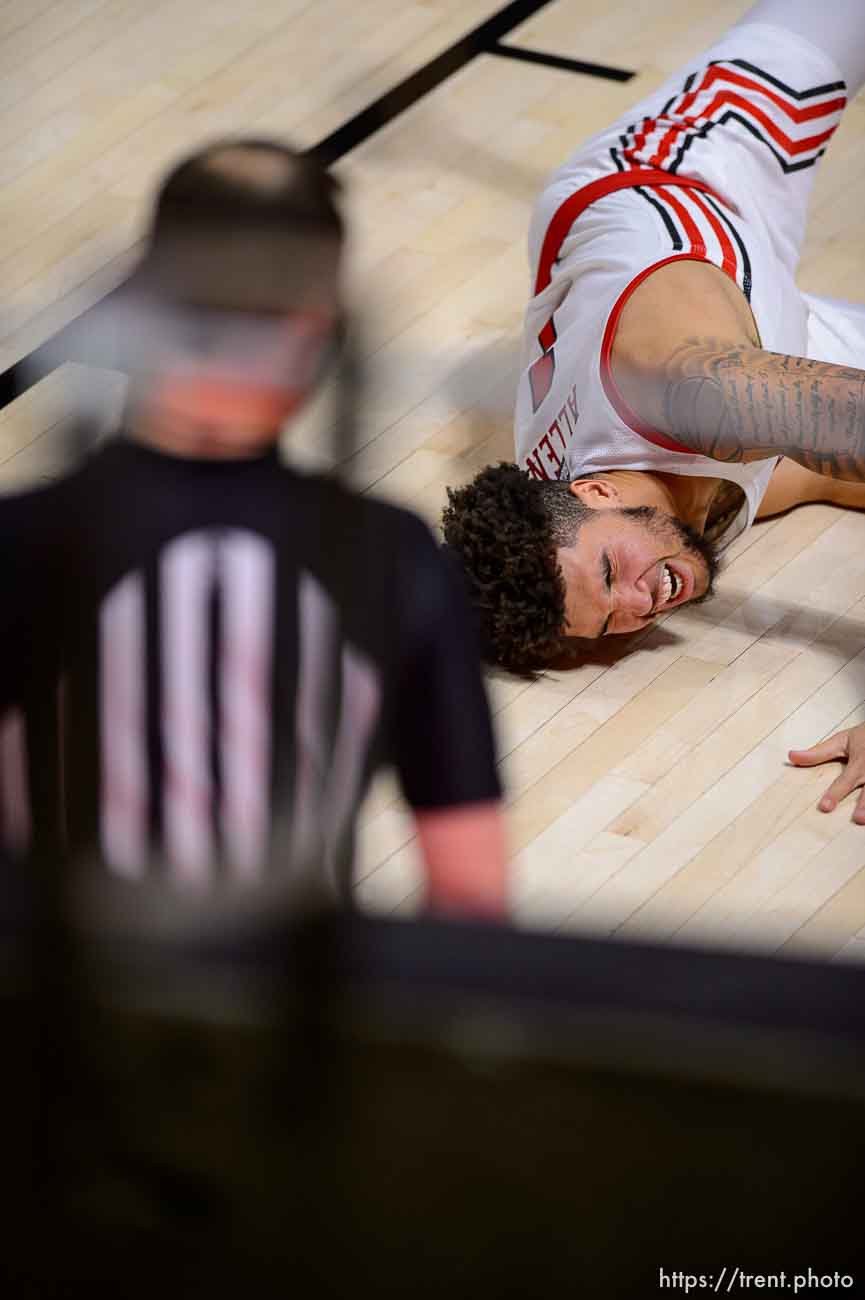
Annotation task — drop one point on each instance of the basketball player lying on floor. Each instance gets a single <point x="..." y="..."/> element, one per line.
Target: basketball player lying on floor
<point x="676" y="384"/>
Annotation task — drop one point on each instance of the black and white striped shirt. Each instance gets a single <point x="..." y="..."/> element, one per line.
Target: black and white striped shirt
<point x="204" y="662"/>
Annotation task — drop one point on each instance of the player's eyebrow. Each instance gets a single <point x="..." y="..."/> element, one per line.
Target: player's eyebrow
<point x="606" y="572"/>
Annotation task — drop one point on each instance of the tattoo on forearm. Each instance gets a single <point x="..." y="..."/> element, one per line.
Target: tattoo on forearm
<point x="727" y="400"/>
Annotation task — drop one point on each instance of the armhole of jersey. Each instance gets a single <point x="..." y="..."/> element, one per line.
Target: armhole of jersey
<point x="614" y="396"/>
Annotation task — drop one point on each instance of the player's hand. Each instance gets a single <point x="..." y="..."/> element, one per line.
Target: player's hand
<point x="846" y="747"/>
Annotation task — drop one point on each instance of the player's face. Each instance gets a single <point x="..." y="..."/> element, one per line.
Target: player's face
<point x="627" y="566"/>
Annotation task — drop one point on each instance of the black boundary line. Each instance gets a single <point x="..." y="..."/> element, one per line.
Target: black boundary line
<point x="483" y="39"/>
<point x="559" y="61"/>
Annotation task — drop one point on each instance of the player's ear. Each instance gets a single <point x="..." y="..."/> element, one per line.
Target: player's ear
<point x="596" y="493"/>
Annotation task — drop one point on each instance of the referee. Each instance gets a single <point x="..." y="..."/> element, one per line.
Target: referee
<point x="207" y="654"/>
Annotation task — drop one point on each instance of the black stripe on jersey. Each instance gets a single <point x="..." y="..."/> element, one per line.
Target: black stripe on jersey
<point x="5" y="831"/>
<point x="43" y="772"/>
<point x="667" y="219"/>
<point x="699" y="134"/>
<point x="628" y="138"/>
<point x="620" y="166"/>
<point x="336" y="675"/>
<point x="689" y="81"/>
<point x="624" y="139"/>
<point x="290" y="678"/>
<point x="217" y="716"/>
<point x="284" y="669"/>
<point x="153" y="700"/>
<point x="740" y="243"/>
<point x="12" y="843"/>
<point x="79" y="731"/>
<point x="780" y="85"/>
<point x="731" y="114"/>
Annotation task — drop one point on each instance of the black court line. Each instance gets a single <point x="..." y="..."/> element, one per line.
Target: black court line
<point x="483" y="39"/>
<point x="559" y="61"/>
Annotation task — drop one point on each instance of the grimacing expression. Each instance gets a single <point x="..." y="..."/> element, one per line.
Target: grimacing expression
<point x="626" y="566"/>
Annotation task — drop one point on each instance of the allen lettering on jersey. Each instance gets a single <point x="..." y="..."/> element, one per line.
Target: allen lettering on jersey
<point x="547" y="460"/>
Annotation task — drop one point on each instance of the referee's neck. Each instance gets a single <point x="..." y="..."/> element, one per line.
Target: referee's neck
<point x="185" y="433"/>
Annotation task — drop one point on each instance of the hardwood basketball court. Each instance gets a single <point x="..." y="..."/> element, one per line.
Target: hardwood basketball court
<point x="648" y="794"/>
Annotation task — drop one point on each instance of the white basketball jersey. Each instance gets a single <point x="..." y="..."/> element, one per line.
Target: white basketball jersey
<point x="716" y="166"/>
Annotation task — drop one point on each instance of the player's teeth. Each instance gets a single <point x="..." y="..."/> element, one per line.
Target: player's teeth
<point x="666" y="586"/>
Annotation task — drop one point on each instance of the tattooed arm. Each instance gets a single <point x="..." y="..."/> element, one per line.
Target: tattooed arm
<point x="688" y="359"/>
<point x="739" y="403"/>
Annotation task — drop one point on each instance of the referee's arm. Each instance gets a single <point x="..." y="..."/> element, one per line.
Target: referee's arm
<point x="463" y="851"/>
<point x="445" y="748"/>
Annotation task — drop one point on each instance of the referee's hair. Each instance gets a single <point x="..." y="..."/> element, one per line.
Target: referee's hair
<point x="246" y="224"/>
<point x="250" y="181"/>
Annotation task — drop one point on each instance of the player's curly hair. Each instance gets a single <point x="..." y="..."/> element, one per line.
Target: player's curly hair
<point x="505" y="527"/>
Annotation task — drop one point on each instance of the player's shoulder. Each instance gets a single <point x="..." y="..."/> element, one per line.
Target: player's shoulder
<point x="586" y="199"/>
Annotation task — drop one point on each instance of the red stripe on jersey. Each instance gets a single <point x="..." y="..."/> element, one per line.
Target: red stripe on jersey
<point x="789" y="145"/>
<point x="680" y="109"/>
<point x="711" y="76"/>
<point x="808" y="114"/>
<point x="614" y="397"/>
<point x="728" y="253"/>
<point x="547" y="336"/>
<point x="640" y="137"/>
<point x="786" y="142"/>
<point x="567" y="212"/>
<point x="541" y="374"/>
<point x="688" y="100"/>
<point x="666" y="144"/>
<point x="717" y="73"/>
<point x="689" y="225"/>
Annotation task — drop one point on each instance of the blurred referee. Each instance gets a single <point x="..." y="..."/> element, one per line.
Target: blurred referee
<point x="206" y="654"/>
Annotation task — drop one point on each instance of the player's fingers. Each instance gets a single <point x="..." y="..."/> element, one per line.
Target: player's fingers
<point x="859" y="810"/>
<point x="844" y="784"/>
<point x="824" y="752"/>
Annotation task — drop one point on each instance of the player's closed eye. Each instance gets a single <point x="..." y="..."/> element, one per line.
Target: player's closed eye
<point x="608" y="582"/>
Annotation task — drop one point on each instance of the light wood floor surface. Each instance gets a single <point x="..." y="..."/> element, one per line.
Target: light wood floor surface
<point x="648" y="795"/>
